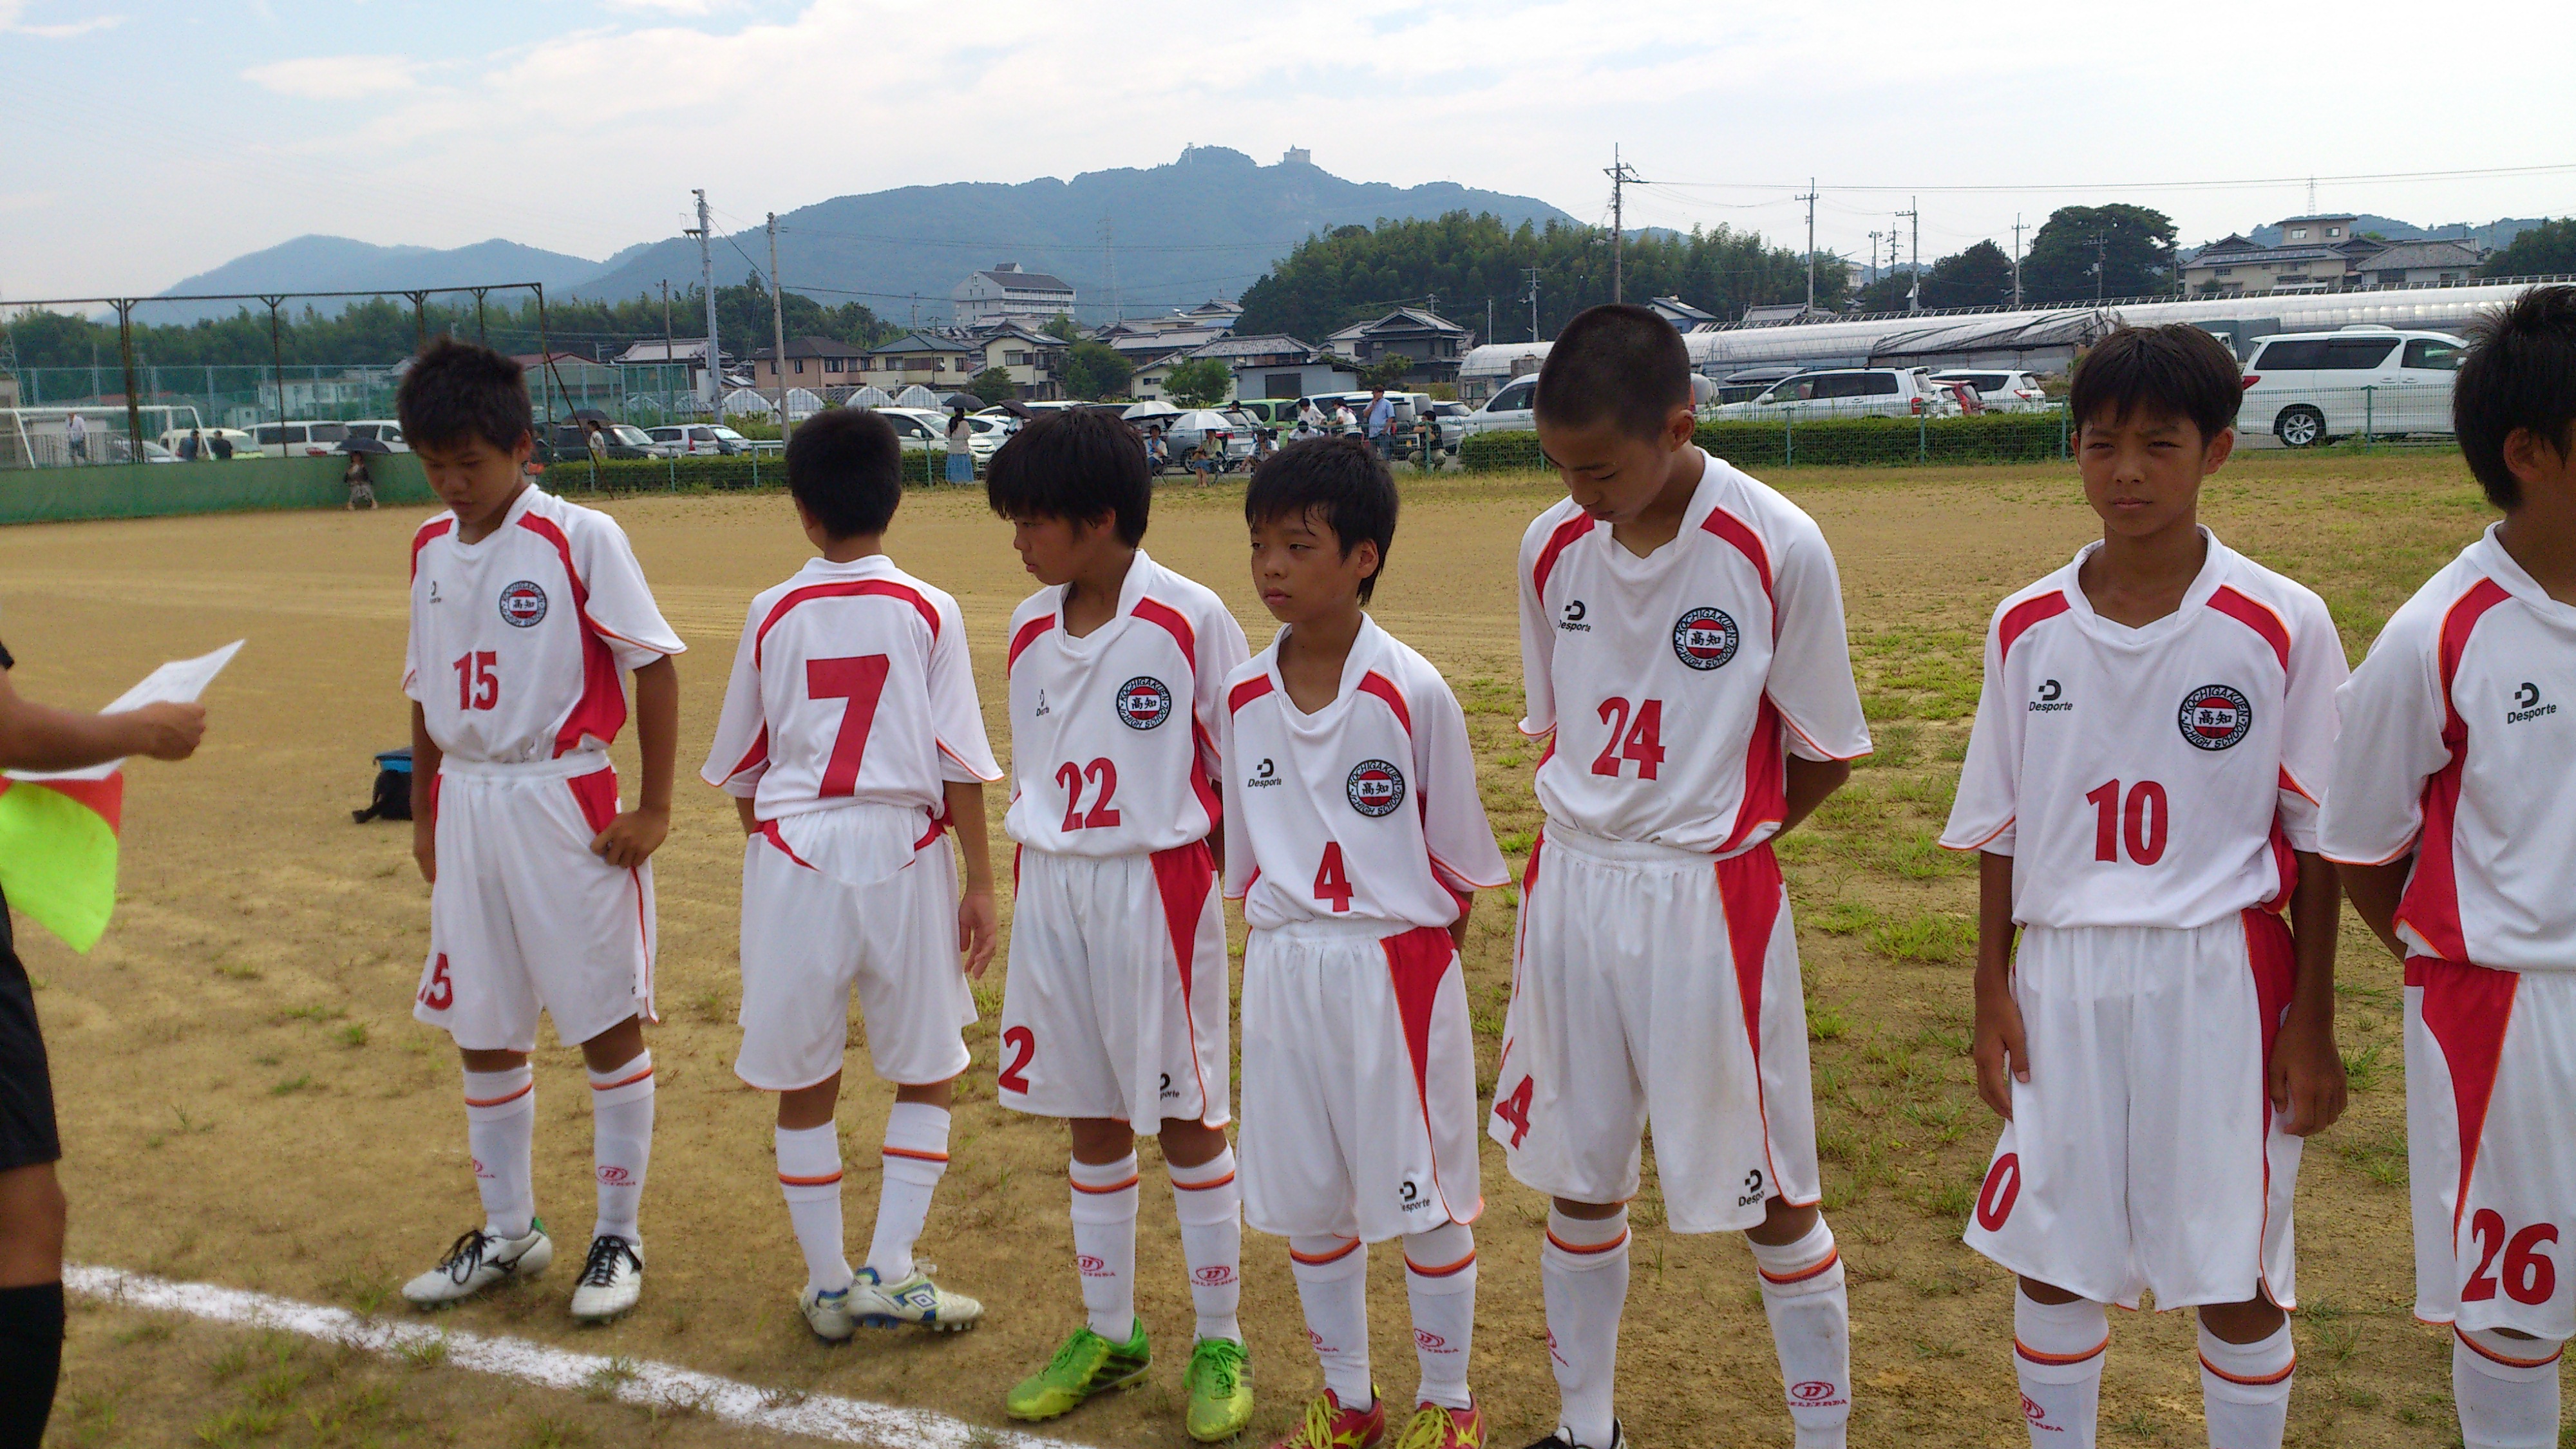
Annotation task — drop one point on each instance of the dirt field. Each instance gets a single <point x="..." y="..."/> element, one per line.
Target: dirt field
<point x="247" y="1101"/>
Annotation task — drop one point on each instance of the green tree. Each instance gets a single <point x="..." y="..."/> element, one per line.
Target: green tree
<point x="1061" y="327"/>
<point x="1095" y="370"/>
<point x="2134" y="246"/>
<point x="1386" y="372"/>
<point x="1199" y="383"/>
<point x="2548" y="249"/>
<point x="993" y="384"/>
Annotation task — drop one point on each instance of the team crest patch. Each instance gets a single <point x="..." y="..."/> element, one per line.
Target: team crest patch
<point x="523" y="605"/>
<point x="1705" y="638"/>
<point x="1143" y="702"/>
<point x="1375" y="788"/>
<point x="2215" y="717"/>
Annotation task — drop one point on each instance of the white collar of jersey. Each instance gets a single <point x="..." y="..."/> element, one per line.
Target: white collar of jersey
<point x="2490" y="558"/>
<point x="1131" y="590"/>
<point x="1355" y="667"/>
<point x="2213" y="572"/>
<point x="517" y="510"/>
<point x="871" y="566"/>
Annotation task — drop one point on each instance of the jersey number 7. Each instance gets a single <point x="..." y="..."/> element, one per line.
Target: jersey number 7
<point x="859" y="680"/>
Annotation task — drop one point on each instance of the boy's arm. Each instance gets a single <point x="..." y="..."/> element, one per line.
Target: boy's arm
<point x="40" y="737"/>
<point x="748" y="812"/>
<point x="979" y="920"/>
<point x="2376" y="892"/>
<point x="2002" y="1053"/>
<point x="1809" y="783"/>
<point x="425" y="756"/>
<point x="634" y="835"/>
<point x="2307" y="1072"/>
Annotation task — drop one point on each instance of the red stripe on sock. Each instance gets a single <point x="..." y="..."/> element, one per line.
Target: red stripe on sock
<point x="2482" y="1351"/>
<point x="808" y="1181"/>
<point x="2269" y="1379"/>
<point x="624" y="1082"/>
<point x="1445" y="1271"/>
<point x="497" y="1101"/>
<point x="1202" y="1186"/>
<point x="1335" y="1256"/>
<point x="915" y="1156"/>
<point x="1079" y="1186"/>
<point x="1803" y="1275"/>
<point x="1588" y="1248"/>
<point x="2061" y="1359"/>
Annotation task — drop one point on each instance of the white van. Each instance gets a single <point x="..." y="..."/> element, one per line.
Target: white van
<point x="1848" y="392"/>
<point x="2314" y="387"/>
<point x="384" y="430"/>
<point x="298" y="440"/>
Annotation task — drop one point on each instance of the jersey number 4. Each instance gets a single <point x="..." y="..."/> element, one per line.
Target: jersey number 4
<point x="859" y="680"/>
<point x="2140" y="823"/>
<point x="1641" y="741"/>
<point x="1332" y="879"/>
<point x="1103" y="774"/>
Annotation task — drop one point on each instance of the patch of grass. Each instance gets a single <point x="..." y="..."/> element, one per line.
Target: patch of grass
<point x="1518" y="842"/>
<point x="312" y="1013"/>
<point x="366" y="1292"/>
<point x="1845" y="918"/>
<point x="1931" y="937"/>
<point x="1893" y="747"/>
<point x="1510" y="762"/>
<point x="1827" y="1023"/>
<point x="240" y="1426"/>
<point x="292" y="1085"/>
<point x="353" y="1035"/>
<point x="2361" y="1068"/>
<point x="1949" y="1200"/>
<point x="230" y="1364"/>
<point x="603" y="1382"/>
<point x="712" y="1008"/>
<point x="547" y="1432"/>
<point x="425" y="1353"/>
<point x="152" y="1331"/>
<point x="2380" y="1158"/>
<point x="267" y="1059"/>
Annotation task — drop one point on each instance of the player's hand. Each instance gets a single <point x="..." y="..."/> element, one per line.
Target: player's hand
<point x="424" y="847"/>
<point x="168" y="731"/>
<point x="2002" y="1054"/>
<point x="2307" y="1075"/>
<point x="631" y="838"/>
<point x="979" y="925"/>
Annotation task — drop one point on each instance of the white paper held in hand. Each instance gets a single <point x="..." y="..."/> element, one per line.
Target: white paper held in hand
<point x="178" y="682"/>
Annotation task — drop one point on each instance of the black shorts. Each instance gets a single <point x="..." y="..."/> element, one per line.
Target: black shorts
<point x="27" y="1134"/>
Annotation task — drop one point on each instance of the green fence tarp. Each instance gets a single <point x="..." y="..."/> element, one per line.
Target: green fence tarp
<point x="148" y="490"/>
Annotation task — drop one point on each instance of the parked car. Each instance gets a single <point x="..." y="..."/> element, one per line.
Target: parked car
<point x="1962" y="395"/>
<point x="1450" y="419"/>
<point x="918" y="429"/>
<point x="384" y="430"/>
<point x="296" y="440"/>
<point x="1276" y="413"/>
<point x="698" y="439"/>
<point x="1507" y="411"/>
<point x="2001" y="392"/>
<point x="2312" y="388"/>
<point x="1745" y="384"/>
<point x="240" y="438"/>
<point x="1230" y="433"/>
<point x="121" y="451"/>
<point x="1853" y="392"/>
<point x="570" y="443"/>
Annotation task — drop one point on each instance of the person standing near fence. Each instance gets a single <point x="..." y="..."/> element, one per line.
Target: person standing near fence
<point x="362" y="484"/>
<point x="961" y="451"/>
<point x="76" y="433"/>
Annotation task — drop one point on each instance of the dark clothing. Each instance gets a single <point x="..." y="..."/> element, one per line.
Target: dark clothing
<point x="31" y="1360"/>
<point x="27" y="1133"/>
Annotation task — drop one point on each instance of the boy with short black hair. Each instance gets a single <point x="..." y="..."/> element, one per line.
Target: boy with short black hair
<point x="2142" y="784"/>
<point x="2450" y="820"/>
<point x="851" y="741"/>
<point x="1114" y="1015"/>
<point x="1356" y="840"/>
<point x="524" y="608"/>
<point x="1682" y="639"/>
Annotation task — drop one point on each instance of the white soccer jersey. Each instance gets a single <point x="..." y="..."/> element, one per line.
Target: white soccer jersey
<point x="518" y="642"/>
<point x="2151" y="776"/>
<point x="1114" y="734"/>
<point x="1364" y="810"/>
<point x="1669" y="679"/>
<point x="803" y="728"/>
<point x="2459" y="740"/>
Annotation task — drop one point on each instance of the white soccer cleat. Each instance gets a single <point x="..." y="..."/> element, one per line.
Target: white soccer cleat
<point x="916" y="1301"/>
<point x="478" y="1260"/>
<point x="612" y="1278"/>
<point x="828" y="1314"/>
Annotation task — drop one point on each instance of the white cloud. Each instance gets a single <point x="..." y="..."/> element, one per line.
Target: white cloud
<point x="11" y="23"/>
<point x="336" y="77"/>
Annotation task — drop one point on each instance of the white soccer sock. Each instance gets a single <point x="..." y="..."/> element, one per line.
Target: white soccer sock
<point x="500" y="1129"/>
<point x="621" y="1135"/>
<point x="1440" y="1283"/>
<point x="1810" y="1313"/>
<point x="809" y="1177"/>
<point x="1104" y="1243"/>
<point x="1332" y="1285"/>
<point x="2058" y="1350"/>
<point x="1583" y="1272"/>
<point x="1209" y="1203"/>
<point x="916" y="1153"/>
<point x="2506" y="1390"/>
<point x="2245" y="1389"/>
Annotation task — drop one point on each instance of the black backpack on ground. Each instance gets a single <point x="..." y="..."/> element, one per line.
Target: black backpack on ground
<point x="393" y="789"/>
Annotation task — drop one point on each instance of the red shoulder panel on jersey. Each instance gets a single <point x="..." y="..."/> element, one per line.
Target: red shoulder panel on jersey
<point x="2432" y="901"/>
<point x="1246" y="692"/>
<point x="2257" y="617"/>
<point x="1154" y="611"/>
<point x="601" y="710"/>
<point x="855" y="588"/>
<point x="1028" y="635"/>
<point x="2021" y="616"/>
<point x="1557" y="543"/>
<point x="758" y="754"/>
<point x="1736" y="531"/>
<point x="1384" y="688"/>
<point x="436" y="527"/>
<point x="2466" y="1009"/>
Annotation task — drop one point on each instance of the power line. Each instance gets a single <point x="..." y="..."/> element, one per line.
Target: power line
<point x="2446" y="174"/>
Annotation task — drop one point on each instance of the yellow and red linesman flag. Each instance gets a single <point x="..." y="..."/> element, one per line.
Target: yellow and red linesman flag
<point x="58" y="832"/>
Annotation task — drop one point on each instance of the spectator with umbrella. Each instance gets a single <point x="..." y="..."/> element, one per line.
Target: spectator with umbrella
<point x="362" y="482"/>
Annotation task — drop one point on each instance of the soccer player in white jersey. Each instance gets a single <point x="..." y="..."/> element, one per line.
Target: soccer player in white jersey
<point x="1356" y="840"/>
<point x="851" y="742"/>
<point x="2155" y="732"/>
<point x="1114" y="1015"/>
<point x="524" y="609"/>
<point x="1682" y="640"/>
<point x="2453" y="817"/>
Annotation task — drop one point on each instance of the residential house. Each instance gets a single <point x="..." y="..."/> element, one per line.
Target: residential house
<point x="1006" y="293"/>
<point x="2322" y="254"/>
<point x="569" y="378"/>
<point x="688" y="352"/>
<point x="1433" y="343"/>
<point x="1034" y="360"/>
<point x="2421" y="263"/>
<point x="1275" y="365"/>
<point x="1683" y="316"/>
<point x="1781" y="314"/>
<point x="812" y="362"/>
<point x="934" y="360"/>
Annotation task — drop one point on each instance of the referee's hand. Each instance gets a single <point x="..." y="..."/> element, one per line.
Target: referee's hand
<point x="167" y="731"/>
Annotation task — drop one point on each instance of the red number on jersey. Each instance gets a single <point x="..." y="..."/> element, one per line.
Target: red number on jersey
<point x="438" y="993"/>
<point x="2141" y="824"/>
<point x="2529" y="1276"/>
<point x="859" y="680"/>
<point x="478" y="679"/>
<point x="1102" y="773"/>
<point x="1642" y="742"/>
<point x="1514" y="1109"/>
<point x="1332" y="883"/>
<point x="1024" y="1043"/>
<point x="1997" y="1194"/>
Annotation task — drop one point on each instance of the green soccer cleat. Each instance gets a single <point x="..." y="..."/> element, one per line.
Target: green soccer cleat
<point x="1087" y="1364"/>
<point x="1219" y="1379"/>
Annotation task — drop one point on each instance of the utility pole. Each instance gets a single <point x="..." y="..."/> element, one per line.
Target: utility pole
<point x="1109" y="254"/>
<point x="707" y="275"/>
<point x="778" y="328"/>
<point x="1489" y="322"/>
<point x="1914" y="288"/>
<point x="1622" y="175"/>
<point x="2017" y="231"/>
<point x="1532" y="274"/>
<point x="1873" y="258"/>
<point x="2101" y="250"/>
<point x="666" y="345"/>
<point x="1810" y="199"/>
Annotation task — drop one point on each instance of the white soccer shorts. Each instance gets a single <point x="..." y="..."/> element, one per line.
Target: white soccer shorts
<point x="2142" y="1154"/>
<point x="1657" y="987"/>
<point x="1117" y="1000"/>
<point x="522" y="917"/>
<point x="1359" y="1083"/>
<point x="2491" y="1157"/>
<point x="811" y="938"/>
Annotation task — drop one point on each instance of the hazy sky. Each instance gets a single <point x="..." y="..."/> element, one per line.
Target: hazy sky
<point x="147" y="141"/>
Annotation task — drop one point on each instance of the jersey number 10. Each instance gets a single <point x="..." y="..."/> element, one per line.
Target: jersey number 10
<point x="2140" y="823"/>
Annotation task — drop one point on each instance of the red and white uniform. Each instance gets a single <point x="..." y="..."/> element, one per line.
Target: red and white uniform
<point x="1116" y="1004"/>
<point x="1354" y="836"/>
<point x="516" y="656"/>
<point x="2150" y="785"/>
<point x="851" y="707"/>
<point x="2459" y="746"/>
<point x="1657" y="972"/>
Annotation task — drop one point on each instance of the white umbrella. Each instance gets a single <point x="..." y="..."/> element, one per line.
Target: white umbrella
<point x="1154" y="409"/>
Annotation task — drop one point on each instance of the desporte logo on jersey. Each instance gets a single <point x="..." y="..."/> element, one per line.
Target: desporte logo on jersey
<point x="1705" y="638"/>
<point x="1264" y="778"/>
<point x="1143" y="702"/>
<point x="2527" y="705"/>
<point x="1375" y="788"/>
<point x="1572" y="619"/>
<point x="523" y="605"/>
<point x="2214" y="717"/>
<point x="2049" y="701"/>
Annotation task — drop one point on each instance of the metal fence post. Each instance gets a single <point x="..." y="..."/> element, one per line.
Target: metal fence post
<point x="1922" y="438"/>
<point x="2061" y="433"/>
<point x="1788" y="442"/>
<point x="133" y="406"/>
<point x="2369" y="421"/>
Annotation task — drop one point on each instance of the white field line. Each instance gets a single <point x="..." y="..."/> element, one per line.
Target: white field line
<point x="819" y="1416"/>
